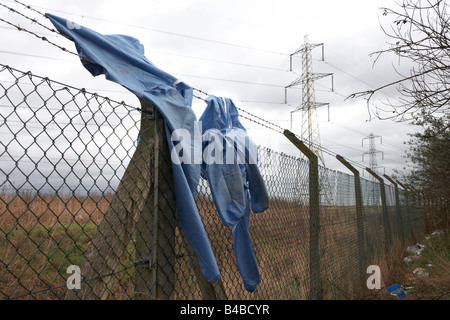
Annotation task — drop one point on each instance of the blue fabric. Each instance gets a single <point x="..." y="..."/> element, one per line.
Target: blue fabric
<point x="236" y="185"/>
<point x="121" y="59"/>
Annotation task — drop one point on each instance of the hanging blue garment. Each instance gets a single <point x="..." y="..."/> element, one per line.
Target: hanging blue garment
<point x="121" y="59"/>
<point x="230" y="166"/>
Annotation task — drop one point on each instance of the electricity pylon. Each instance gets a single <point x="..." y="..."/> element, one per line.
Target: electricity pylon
<point x="373" y="161"/>
<point x="372" y="152"/>
<point x="310" y="134"/>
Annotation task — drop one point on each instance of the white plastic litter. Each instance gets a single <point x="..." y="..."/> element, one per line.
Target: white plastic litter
<point x="415" y="250"/>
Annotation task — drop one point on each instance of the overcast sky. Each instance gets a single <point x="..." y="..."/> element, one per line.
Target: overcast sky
<point x="238" y="49"/>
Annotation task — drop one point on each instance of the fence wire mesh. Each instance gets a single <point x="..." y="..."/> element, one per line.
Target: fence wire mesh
<point x="77" y="189"/>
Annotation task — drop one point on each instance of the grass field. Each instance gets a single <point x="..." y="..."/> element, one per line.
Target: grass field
<point x="41" y="235"/>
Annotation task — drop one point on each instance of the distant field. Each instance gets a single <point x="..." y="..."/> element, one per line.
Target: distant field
<point x="28" y="208"/>
<point x="41" y="235"/>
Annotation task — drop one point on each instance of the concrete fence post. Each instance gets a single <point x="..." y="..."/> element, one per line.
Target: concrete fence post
<point x="398" y="211"/>
<point x="387" y="229"/>
<point x="362" y="259"/>
<point x="155" y="229"/>
<point x="155" y="241"/>
<point x="406" y="210"/>
<point x="316" y="292"/>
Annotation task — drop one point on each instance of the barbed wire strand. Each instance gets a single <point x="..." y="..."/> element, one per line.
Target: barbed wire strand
<point x="19" y="28"/>
<point x="251" y="117"/>
<point x="30" y="8"/>
<point x="33" y="20"/>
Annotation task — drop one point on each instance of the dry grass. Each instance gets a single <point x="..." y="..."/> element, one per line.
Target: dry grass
<point x="280" y="242"/>
<point x="28" y="209"/>
<point x="40" y="235"/>
<point x="434" y="261"/>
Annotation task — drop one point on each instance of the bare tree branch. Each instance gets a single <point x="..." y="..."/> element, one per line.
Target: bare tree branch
<point x="419" y="33"/>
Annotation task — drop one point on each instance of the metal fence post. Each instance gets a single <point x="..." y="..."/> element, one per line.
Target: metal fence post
<point x="359" y="219"/>
<point x="419" y="213"/>
<point x="316" y="292"/>
<point x="407" y="214"/>
<point x="401" y="231"/>
<point x="387" y="229"/>
<point x="415" y="210"/>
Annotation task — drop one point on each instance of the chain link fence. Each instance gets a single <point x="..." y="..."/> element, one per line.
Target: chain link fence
<point x="77" y="189"/>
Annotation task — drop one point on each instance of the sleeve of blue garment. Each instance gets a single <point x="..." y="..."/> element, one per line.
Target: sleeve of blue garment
<point x="258" y="191"/>
<point x="121" y="59"/>
<point x="243" y="249"/>
<point x="221" y="116"/>
<point x="230" y="194"/>
<point x="192" y="225"/>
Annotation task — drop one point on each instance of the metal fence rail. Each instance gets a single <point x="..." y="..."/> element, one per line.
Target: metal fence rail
<point x="78" y="190"/>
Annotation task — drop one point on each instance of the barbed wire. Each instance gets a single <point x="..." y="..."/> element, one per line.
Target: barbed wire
<point x="30" y="8"/>
<point x="251" y="117"/>
<point x="214" y="41"/>
<point x="248" y="115"/>
<point x="33" y="20"/>
<point x="19" y="28"/>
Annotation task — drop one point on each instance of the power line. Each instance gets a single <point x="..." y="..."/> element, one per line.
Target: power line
<point x="179" y="74"/>
<point x="218" y="16"/>
<point x="266" y="102"/>
<point x="281" y="130"/>
<point x="251" y="117"/>
<point x="221" y="61"/>
<point x="357" y="65"/>
<point x="342" y="145"/>
<point x="356" y="78"/>
<point x="37" y="56"/>
<point x="160" y="31"/>
<point x="185" y="56"/>
<point x="366" y="134"/>
<point x="231" y="80"/>
<point x="181" y="55"/>
<point x="158" y="52"/>
<point x="187" y="75"/>
<point x="350" y="75"/>
<point x="244" y="114"/>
